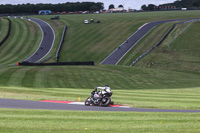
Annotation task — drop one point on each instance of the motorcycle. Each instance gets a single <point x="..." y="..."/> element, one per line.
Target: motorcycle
<point x="100" y="98"/>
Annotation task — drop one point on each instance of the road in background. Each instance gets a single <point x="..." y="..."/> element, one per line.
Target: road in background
<point x="115" y="57"/>
<point x="48" y="37"/>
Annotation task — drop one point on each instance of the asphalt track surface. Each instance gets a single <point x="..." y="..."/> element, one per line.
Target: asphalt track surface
<point x="125" y="47"/>
<point x="23" y="104"/>
<point x="48" y="37"/>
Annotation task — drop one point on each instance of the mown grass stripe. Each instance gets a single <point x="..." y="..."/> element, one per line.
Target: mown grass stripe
<point x="5" y="76"/>
<point x="24" y="45"/>
<point x="19" y="45"/>
<point x="4" y="25"/>
<point x="76" y="121"/>
<point x="16" y="77"/>
<point x="12" y="39"/>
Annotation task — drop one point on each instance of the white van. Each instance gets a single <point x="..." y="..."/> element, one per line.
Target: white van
<point x="86" y="22"/>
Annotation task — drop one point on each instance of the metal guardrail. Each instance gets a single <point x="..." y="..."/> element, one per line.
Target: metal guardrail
<point x="61" y="42"/>
<point x="45" y="59"/>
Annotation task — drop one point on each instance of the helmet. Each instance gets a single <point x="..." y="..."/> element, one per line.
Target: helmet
<point x="106" y="86"/>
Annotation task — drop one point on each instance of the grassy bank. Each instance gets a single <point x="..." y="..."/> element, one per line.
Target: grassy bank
<point x="4" y="25"/>
<point x="177" y="53"/>
<point x="94" y="42"/>
<point x="137" y="87"/>
<point x="91" y="76"/>
<point x="149" y="41"/>
<point x="41" y="121"/>
<point x="23" y="41"/>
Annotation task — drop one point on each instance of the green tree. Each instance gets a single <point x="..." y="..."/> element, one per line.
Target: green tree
<point x="144" y="7"/>
<point x="151" y="7"/>
<point x="94" y="8"/>
<point x="120" y="6"/>
<point x="111" y="6"/>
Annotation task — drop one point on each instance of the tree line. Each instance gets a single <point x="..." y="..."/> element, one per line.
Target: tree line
<point x="34" y="8"/>
<point x="190" y="4"/>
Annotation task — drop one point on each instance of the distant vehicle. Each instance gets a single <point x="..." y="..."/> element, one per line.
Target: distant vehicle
<point x="85" y="12"/>
<point x="56" y="17"/>
<point x="92" y="20"/>
<point x="86" y="22"/>
<point x="183" y="9"/>
<point x="44" y="12"/>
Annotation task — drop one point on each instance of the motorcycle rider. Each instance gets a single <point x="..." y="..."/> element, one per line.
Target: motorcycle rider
<point x="100" y="91"/>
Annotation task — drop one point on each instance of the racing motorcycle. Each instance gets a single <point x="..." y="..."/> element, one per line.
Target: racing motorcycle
<point x="99" y="98"/>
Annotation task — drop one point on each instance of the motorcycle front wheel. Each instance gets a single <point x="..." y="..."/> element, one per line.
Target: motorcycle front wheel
<point x="88" y="101"/>
<point x="105" y="101"/>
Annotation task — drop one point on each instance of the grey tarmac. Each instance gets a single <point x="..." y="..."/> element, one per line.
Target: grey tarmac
<point x="48" y="37"/>
<point x="24" y="104"/>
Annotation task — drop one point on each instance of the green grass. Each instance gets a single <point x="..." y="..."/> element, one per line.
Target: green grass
<point x="150" y="40"/>
<point x="133" y="86"/>
<point x="186" y="98"/>
<point x="91" y="76"/>
<point x="136" y="87"/>
<point x="4" y="25"/>
<point x="40" y="121"/>
<point x="177" y="53"/>
<point x="94" y="42"/>
<point x="24" y="39"/>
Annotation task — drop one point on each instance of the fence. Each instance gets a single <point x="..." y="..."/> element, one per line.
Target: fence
<point x="42" y="61"/>
<point x="61" y="42"/>
<point x="91" y="63"/>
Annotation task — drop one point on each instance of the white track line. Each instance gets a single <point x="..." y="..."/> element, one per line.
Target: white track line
<point x="135" y="44"/>
<point x="124" y="43"/>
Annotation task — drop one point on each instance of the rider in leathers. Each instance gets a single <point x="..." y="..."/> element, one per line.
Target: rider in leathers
<point x="100" y="91"/>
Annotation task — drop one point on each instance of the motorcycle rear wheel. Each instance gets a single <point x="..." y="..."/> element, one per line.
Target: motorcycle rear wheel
<point x="88" y="101"/>
<point x="106" y="102"/>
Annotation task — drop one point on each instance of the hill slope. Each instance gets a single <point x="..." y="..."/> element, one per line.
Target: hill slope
<point x="94" y="42"/>
<point x="178" y="53"/>
<point x="23" y="41"/>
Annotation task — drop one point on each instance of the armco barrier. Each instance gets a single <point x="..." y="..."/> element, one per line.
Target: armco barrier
<point x="8" y="34"/>
<point x="61" y="42"/>
<point x="91" y="63"/>
<point x="42" y="61"/>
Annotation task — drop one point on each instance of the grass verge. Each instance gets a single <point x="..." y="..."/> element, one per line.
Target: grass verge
<point x="4" y="26"/>
<point x="23" y="41"/>
<point x="40" y="121"/>
<point x="177" y="53"/>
